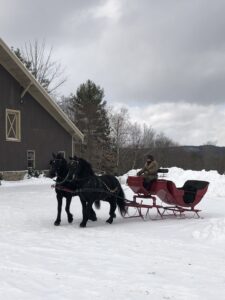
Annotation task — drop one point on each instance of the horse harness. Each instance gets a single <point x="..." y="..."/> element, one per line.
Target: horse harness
<point x="77" y="191"/>
<point x="108" y="188"/>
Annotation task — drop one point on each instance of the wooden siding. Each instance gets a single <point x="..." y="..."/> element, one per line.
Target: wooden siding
<point x="39" y="131"/>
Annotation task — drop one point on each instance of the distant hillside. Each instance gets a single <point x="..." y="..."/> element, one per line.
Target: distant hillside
<point x="206" y="157"/>
<point x="209" y="149"/>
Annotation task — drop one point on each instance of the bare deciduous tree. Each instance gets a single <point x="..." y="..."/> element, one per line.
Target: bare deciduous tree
<point x="38" y="58"/>
<point x="119" y="123"/>
<point x="162" y="141"/>
<point x="136" y="138"/>
<point x="148" y="137"/>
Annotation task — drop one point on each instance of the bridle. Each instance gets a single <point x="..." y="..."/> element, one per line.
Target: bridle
<point x="73" y="165"/>
<point x="57" y="169"/>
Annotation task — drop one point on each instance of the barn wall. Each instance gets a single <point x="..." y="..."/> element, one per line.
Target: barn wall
<point x="39" y="130"/>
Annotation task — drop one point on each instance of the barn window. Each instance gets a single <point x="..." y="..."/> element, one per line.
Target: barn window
<point x="13" y="127"/>
<point x="31" y="159"/>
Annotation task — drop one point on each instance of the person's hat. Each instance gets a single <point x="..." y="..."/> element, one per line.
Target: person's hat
<point x="149" y="156"/>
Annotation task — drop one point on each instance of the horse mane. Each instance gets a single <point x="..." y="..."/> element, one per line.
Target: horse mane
<point x="86" y="167"/>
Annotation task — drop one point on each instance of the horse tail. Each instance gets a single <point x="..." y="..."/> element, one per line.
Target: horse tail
<point x="97" y="204"/>
<point x="121" y="202"/>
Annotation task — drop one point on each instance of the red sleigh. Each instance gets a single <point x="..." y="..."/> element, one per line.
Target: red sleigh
<point x="173" y="199"/>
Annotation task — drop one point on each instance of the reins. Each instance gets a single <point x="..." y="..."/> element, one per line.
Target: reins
<point x="64" y="180"/>
<point x="97" y="177"/>
<point x="83" y="190"/>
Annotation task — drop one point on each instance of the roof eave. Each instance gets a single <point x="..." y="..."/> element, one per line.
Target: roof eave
<point x="16" y="68"/>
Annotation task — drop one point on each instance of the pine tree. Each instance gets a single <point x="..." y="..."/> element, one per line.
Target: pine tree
<point x="90" y="116"/>
<point x="18" y="53"/>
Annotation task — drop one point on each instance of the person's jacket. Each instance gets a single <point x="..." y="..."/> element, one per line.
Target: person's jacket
<point x="149" y="170"/>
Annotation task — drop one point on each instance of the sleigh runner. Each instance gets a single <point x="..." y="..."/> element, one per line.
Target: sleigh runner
<point x="174" y="200"/>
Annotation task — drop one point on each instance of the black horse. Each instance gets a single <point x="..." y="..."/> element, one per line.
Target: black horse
<point x="92" y="188"/>
<point x="63" y="187"/>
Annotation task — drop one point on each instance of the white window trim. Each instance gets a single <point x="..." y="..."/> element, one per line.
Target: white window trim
<point x="18" y="125"/>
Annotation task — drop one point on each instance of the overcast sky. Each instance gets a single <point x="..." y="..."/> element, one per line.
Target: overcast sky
<point x="163" y="59"/>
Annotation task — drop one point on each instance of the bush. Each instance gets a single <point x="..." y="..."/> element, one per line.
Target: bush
<point x="33" y="173"/>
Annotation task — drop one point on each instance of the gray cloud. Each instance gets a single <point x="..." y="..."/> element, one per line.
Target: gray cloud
<point x="54" y="19"/>
<point x="167" y="52"/>
<point x="185" y="123"/>
<point x="153" y="51"/>
<point x="142" y="53"/>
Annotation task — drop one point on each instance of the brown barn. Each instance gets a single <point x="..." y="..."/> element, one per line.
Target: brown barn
<point x="32" y="126"/>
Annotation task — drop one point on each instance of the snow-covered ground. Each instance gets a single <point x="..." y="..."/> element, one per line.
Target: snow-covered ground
<point x="130" y="259"/>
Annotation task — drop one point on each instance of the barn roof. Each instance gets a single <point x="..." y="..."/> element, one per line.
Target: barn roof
<point x="16" y="68"/>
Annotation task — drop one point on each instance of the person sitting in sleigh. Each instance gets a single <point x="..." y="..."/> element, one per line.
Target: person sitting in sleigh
<point x="149" y="171"/>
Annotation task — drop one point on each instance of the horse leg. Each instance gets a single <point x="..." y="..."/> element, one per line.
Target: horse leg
<point x="84" y="211"/>
<point x="67" y="209"/>
<point x="112" y="211"/>
<point x="92" y="215"/>
<point x="58" y="219"/>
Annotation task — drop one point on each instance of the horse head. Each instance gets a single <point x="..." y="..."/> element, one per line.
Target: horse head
<point x="58" y="166"/>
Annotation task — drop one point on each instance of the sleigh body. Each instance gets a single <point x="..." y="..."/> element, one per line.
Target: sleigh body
<point x="173" y="199"/>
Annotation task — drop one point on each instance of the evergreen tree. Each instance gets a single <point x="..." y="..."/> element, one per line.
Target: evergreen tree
<point x="18" y="53"/>
<point x="90" y="116"/>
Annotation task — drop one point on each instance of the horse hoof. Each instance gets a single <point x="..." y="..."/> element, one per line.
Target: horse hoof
<point x="94" y="218"/>
<point x="57" y="223"/>
<point x="82" y="225"/>
<point x="109" y="221"/>
<point x="70" y="219"/>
